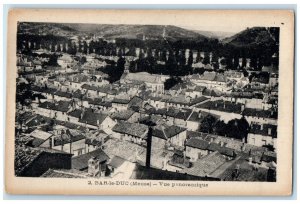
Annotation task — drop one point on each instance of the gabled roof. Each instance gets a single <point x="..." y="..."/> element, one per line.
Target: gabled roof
<point x="166" y="132"/>
<point x="81" y="162"/>
<point x="134" y="129"/>
<point x="25" y="156"/>
<point x="221" y="149"/>
<point x="116" y="161"/>
<point x="206" y="165"/>
<point x="75" y="113"/>
<point x="68" y="137"/>
<point x="122" y="115"/>
<point x="197" y="143"/>
<point x="91" y="118"/>
<point x="264" y="129"/>
<point x="40" y="134"/>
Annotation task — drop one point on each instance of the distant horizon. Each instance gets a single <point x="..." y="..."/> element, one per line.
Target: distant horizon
<point x="214" y="29"/>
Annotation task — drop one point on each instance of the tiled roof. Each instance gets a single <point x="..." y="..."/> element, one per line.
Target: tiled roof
<point x="134" y="129"/>
<point x="197" y="143"/>
<point x="121" y="100"/>
<point x="71" y="135"/>
<point x="96" y="138"/>
<point x="124" y="149"/>
<point x="116" y="162"/>
<point x="264" y="129"/>
<point x="221" y="149"/>
<point x="225" y="106"/>
<point x="205" y="166"/>
<point x="144" y="173"/>
<point x="199" y="116"/>
<point x="260" y="113"/>
<point x="62" y="106"/>
<point x="91" y="118"/>
<point x="166" y="132"/>
<point x="81" y="162"/>
<point x="24" y="156"/>
<point x="75" y="113"/>
<point x="122" y="115"/>
<point x="64" y="173"/>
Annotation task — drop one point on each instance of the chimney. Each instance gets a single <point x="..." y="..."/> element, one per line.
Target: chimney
<point x="222" y="143"/>
<point x="269" y="131"/>
<point x="199" y="114"/>
<point x="242" y="107"/>
<point x="149" y="143"/>
<point x="82" y="113"/>
<point x="250" y="160"/>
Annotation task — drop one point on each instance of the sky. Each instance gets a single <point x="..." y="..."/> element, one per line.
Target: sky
<point x="233" y="29"/>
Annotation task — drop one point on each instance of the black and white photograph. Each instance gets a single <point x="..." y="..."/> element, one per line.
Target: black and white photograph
<point x="147" y="102"/>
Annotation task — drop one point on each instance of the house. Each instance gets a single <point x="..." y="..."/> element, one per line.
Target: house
<point x="77" y="80"/>
<point x="210" y="80"/>
<point x="205" y="166"/>
<point x="96" y="120"/>
<point x="119" y="167"/>
<point x="69" y="140"/>
<point x="227" y="110"/>
<point x="196" y="148"/>
<point x="262" y="135"/>
<point x="177" y="162"/>
<point x="120" y="103"/>
<point x="195" y="118"/>
<point x="126" y="115"/>
<point x="227" y="152"/>
<point x="133" y="132"/>
<point x="153" y="82"/>
<point x="40" y="138"/>
<point x="123" y="149"/>
<point x="140" y="172"/>
<point x="164" y="136"/>
<point x="87" y="162"/>
<point x="33" y="162"/>
<point x="95" y="140"/>
<point x="100" y="104"/>
<point x="57" y="110"/>
<point x="65" y="61"/>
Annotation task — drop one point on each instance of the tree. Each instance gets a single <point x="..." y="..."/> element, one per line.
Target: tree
<point x="64" y="49"/>
<point x="172" y="81"/>
<point x="207" y="124"/>
<point x="190" y="59"/>
<point x="52" y="60"/>
<point x="220" y="128"/>
<point x="58" y="48"/>
<point x="79" y="46"/>
<point x="198" y="58"/>
<point x="238" y="129"/>
<point x="52" y="47"/>
<point x="85" y="47"/>
<point x="244" y="62"/>
<point x="206" y="59"/>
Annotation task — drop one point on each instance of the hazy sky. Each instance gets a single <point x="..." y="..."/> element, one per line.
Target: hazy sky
<point x="233" y="29"/>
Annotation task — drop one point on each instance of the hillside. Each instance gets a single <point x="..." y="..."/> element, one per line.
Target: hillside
<point x="46" y="29"/>
<point x="220" y="35"/>
<point x="111" y="31"/>
<point x="253" y="37"/>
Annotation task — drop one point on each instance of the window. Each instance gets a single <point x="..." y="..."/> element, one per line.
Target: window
<point x="264" y="142"/>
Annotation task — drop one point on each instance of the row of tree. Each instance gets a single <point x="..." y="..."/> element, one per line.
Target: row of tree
<point x="235" y="128"/>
